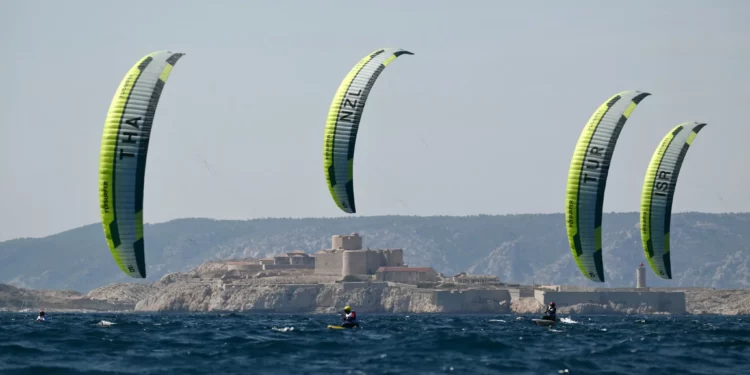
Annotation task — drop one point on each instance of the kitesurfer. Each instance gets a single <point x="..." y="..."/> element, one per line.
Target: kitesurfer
<point x="349" y="317"/>
<point x="41" y="317"/>
<point x="551" y="312"/>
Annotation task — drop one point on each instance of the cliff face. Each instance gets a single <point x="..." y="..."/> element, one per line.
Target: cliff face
<point x="722" y="302"/>
<point x="320" y="298"/>
<point x="123" y="293"/>
<point x="15" y="299"/>
<point x="176" y="292"/>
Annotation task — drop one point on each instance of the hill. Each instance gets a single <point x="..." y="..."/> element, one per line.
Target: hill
<point x="708" y="250"/>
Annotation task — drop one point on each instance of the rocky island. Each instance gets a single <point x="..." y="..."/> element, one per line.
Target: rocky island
<point x="373" y="280"/>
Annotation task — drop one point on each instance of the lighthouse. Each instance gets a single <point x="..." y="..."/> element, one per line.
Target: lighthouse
<point x="640" y="276"/>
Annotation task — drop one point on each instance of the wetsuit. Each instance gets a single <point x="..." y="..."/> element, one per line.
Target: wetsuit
<point x="350" y="320"/>
<point x="551" y="313"/>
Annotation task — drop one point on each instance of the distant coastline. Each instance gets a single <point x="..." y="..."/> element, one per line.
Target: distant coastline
<point x="373" y="280"/>
<point x="183" y="293"/>
<point x="527" y="249"/>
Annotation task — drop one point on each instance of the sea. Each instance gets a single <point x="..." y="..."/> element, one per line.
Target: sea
<point x="252" y="343"/>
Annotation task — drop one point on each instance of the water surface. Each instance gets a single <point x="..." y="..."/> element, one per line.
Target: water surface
<point x="135" y="343"/>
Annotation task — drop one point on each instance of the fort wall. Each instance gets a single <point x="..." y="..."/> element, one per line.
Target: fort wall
<point x="267" y="267"/>
<point x="329" y="262"/>
<point x="367" y="262"/>
<point x="351" y="242"/>
<point x="354" y="262"/>
<point x="244" y="267"/>
<point x="410" y="275"/>
<point x="347" y="258"/>
<point x="302" y="260"/>
<point x="393" y="258"/>
<point x="373" y="261"/>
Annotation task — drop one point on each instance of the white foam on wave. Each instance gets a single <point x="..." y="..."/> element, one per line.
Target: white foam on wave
<point x="283" y="329"/>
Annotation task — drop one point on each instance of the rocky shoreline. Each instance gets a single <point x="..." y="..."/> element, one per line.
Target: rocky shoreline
<point x="20" y="299"/>
<point x="190" y="292"/>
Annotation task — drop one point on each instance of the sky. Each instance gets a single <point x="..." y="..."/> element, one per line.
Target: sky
<point x="482" y="119"/>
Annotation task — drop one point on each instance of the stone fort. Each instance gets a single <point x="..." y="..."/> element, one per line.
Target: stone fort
<point x="347" y="258"/>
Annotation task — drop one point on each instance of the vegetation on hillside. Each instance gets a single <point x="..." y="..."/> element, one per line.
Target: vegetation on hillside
<point x="708" y="250"/>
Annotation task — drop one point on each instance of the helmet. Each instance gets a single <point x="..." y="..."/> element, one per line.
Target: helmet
<point x="552" y="304"/>
<point x="347" y="309"/>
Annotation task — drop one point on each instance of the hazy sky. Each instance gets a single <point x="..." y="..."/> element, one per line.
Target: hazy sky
<point x="482" y="119"/>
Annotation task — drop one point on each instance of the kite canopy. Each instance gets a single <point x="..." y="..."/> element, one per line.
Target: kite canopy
<point x="343" y="122"/>
<point x="122" y="160"/>
<point x="658" y="192"/>
<point x="587" y="180"/>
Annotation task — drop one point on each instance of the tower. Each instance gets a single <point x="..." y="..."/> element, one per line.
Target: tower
<point x="640" y="276"/>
